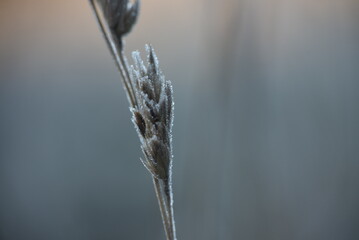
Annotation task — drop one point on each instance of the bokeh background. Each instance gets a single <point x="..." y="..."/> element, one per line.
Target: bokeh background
<point x="266" y="135"/>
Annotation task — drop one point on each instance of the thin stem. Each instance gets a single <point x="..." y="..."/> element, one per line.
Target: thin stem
<point x="169" y="197"/>
<point x="164" y="198"/>
<point x="127" y="72"/>
<point x="117" y="54"/>
<point x="162" y="206"/>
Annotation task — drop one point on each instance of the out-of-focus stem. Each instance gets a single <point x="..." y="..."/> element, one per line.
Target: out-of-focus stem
<point x="164" y="197"/>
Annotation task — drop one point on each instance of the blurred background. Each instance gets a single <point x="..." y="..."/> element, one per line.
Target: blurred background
<point x="266" y="135"/>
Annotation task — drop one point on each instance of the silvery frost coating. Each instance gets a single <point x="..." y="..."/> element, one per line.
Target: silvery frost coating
<point x="153" y="114"/>
<point x="120" y="15"/>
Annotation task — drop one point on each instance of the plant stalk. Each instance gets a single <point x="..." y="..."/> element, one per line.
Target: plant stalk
<point x="116" y="49"/>
<point x="164" y="197"/>
<point x="162" y="187"/>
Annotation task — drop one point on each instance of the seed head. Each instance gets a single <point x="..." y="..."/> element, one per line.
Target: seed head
<point x="153" y="114"/>
<point x="120" y="15"/>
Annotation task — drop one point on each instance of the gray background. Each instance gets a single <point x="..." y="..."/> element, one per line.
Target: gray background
<point x="266" y="131"/>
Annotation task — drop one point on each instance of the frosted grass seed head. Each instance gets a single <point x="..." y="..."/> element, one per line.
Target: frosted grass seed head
<point x="153" y="115"/>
